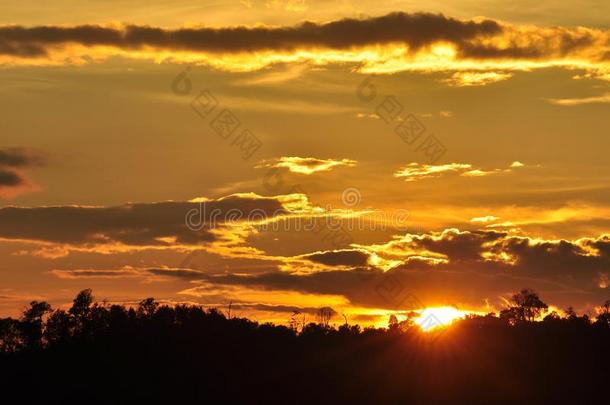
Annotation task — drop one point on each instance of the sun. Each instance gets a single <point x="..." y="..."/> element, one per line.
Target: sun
<point x="432" y="318"/>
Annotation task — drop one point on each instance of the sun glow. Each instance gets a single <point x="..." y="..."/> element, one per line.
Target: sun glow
<point x="432" y="318"/>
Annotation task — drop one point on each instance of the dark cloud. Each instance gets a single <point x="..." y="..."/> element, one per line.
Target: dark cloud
<point x="571" y="41"/>
<point x="402" y="289"/>
<point x="144" y="224"/>
<point x="184" y="274"/>
<point x="560" y="42"/>
<point x="289" y="309"/>
<point x="481" y="266"/>
<point x="478" y="39"/>
<point x="415" y="30"/>
<point x="458" y="246"/>
<point x="579" y="262"/>
<point x="352" y="258"/>
<point x="351" y="284"/>
<point x="10" y="179"/>
<point x="557" y="258"/>
<point x="16" y="158"/>
<point x="480" y="51"/>
<point x="95" y="273"/>
<point x="19" y="157"/>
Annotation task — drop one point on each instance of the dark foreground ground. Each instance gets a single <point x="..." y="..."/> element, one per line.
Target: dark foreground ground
<point x="188" y="355"/>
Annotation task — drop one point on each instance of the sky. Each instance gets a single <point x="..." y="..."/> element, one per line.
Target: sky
<point x="283" y="156"/>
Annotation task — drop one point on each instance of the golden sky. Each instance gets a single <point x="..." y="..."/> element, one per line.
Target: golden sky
<point x="289" y="155"/>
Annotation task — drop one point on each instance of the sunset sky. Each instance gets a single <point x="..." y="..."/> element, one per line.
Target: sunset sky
<point x="372" y="157"/>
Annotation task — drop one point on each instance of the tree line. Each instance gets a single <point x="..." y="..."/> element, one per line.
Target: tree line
<point x="101" y="353"/>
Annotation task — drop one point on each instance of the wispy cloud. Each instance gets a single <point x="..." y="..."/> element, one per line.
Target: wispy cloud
<point x="465" y="79"/>
<point x="150" y="274"/>
<point x="605" y="98"/>
<point x="289" y="72"/>
<point x="480" y="173"/>
<point x="418" y="171"/>
<point x="369" y="115"/>
<point x="305" y="165"/>
<point x="288" y="5"/>
<point x="485" y="219"/>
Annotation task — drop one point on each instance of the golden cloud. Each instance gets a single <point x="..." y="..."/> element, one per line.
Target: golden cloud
<point x="417" y="171"/>
<point x="464" y="79"/>
<point x="307" y="165"/>
<point x="487" y="218"/>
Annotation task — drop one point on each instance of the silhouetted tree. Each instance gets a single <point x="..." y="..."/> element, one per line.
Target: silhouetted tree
<point x="603" y="317"/>
<point x="409" y="321"/>
<point x="606" y="307"/>
<point x="552" y="317"/>
<point x="393" y="322"/>
<point x="325" y="314"/>
<point x="147" y="307"/>
<point x="315" y="331"/>
<point x="526" y="306"/>
<point x="570" y="313"/>
<point x="511" y="315"/>
<point x="346" y="329"/>
<point x="119" y="317"/>
<point x="59" y="327"/>
<point x="81" y="306"/>
<point x="32" y="323"/>
<point x="10" y="335"/>
<point x="572" y="317"/>
<point x="293" y="323"/>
